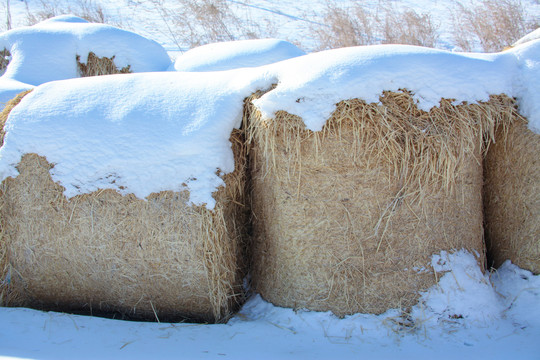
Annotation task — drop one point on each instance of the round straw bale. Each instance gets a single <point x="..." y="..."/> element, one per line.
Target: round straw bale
<point x="5" y="57"/>
<point x="103" y="253"/>
<point x="347" y="219"/>
<point x="96" y="66"/>
<point x="512" y="196"/>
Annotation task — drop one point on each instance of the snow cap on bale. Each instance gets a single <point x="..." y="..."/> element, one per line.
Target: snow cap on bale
<point x="49" y="50"/>
<point x="135" y="133"/>
<point x="236" y="54"/>
<point x="310" y="86"/>
<point x="527" y="82"/>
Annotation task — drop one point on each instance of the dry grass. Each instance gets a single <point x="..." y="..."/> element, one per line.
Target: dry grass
<point x="201" y="22"/>
<point x="86" y="9"/>
<point x="358" y="25"/>
<point x="512" y="197"/>
<point x="494" y="24"/>
<point x="345" y="219"/>
<point x="103" y="253"/>
<point x="345" y="27"/>
<point x="95" y="66"/>
<point x="409" y="27"/>
<point x="5" y="58"/>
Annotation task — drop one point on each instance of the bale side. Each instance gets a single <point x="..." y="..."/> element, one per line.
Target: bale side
<point x="106" y="254"/>
<point x="512" y="197"/>
<point x="5" y="57"/>
<point x="347" y="219"/>
<point x="96" y="66"/>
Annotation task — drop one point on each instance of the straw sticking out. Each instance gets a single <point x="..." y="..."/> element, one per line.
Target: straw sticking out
<point x="96" y="66"/>
<point x="346" y="219"/>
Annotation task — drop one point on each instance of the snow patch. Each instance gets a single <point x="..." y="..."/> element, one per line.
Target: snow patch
<point x="463" y="291"/>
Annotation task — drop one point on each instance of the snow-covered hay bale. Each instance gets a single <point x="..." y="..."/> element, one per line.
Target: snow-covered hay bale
<point x="347" y="218"/>
<point x="96" y="66"/>
<point x="236" y="54"/>
<point x="107" y="205"/>
<point x="67" y="46"/>
<point x="512" y="196"/>
<point x="5" y="57"/>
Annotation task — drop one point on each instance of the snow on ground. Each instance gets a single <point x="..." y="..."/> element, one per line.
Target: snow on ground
<point x="467" y="316"/>
<point x="47" y="51"/>
<point x="230" y="55"/>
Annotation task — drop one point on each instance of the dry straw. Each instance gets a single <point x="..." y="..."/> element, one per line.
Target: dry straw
<point x="347" y="219"/>
<point x="103" y="253"/>
<point x="96" y="66"/>
<point x="512" y="196"/>
<point x="5" y="57"/>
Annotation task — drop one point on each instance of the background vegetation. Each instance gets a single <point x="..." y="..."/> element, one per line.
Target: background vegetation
<point x="482" y="25"/>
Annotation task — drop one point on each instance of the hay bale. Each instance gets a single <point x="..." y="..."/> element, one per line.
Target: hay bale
<point x="512" y="196"/>
<point x="347" y="219"/>
<point x="104" y="253"/>
<point x="5" y="57"/>
<point x="96" y="66"/>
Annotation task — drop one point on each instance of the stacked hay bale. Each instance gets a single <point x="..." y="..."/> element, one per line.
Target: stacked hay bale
<point x="96" y="66"/>
<point x="512" y="196"/>
<point x="68" y="46"/>
<point x="346" y="219"/>
<point x="512" y="172"/>
<point x="104" y="253"/>
<point x="5" y="57"/>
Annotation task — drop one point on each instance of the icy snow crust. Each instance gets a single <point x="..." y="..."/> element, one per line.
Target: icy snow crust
<point x="230" y="55"/>
<point x="47" y="51"/>
<point x="145" y="133"/>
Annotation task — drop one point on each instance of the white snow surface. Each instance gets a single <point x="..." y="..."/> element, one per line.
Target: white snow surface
<point x="230" y="55"/>
<point x="144" y="133"/>
<point x="468" y="315"/>
<point x="136" y="133"/>
<point x="47" y="51"/>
